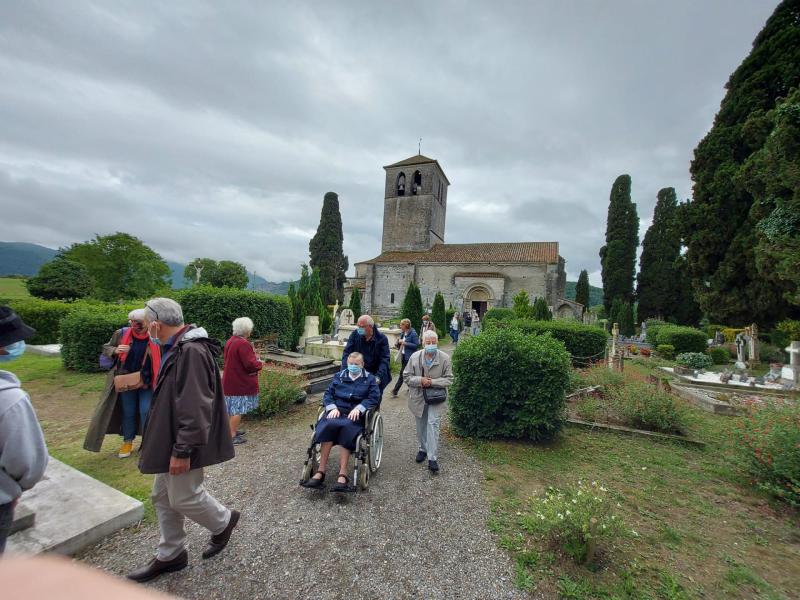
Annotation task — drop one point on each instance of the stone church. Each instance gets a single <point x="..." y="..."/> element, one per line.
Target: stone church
<point x="469" y="276"/>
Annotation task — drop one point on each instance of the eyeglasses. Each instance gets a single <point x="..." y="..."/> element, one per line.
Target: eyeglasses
<point x="135" y="322"/>
<point x="146" y="305"/>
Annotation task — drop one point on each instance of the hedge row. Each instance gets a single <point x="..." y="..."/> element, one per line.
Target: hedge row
<point x="509" y="385"/>
<point x="684" y="339"/>
<point x="499" y="314"/>
<point x="216" y="308"/>
<point x="85" y="330"/>
<point x="585" y="343"/>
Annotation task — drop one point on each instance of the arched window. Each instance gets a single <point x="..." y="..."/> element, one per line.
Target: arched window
<point x="392" y="299"/>
<point x="401" y="184"/>
<point x="417" y="188"/>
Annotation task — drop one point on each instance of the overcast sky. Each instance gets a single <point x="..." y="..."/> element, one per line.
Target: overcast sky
<point x="215" y="128"/>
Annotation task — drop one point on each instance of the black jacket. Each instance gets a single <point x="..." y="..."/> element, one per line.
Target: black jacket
<point x="376" y="354"/>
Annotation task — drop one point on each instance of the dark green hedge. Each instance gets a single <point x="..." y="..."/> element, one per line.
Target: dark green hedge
<point x="216" y="308"/>
<point x="44" y="316"/>
<point x="585" y="343"/>
<point x="85" y="330"/>
<point x="499" y="314"/>
<point x="684" y="339"/>
<point x="509" y="385"/>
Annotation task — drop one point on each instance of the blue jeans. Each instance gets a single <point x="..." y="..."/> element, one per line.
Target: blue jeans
<point x="133" y="402"/>
<point x="454" y="335"/>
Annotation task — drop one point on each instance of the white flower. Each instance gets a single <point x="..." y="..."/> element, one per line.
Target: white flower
<point x="604" y="525"/>
<point x="594" y="483"/>
<point x="568" y="513"/>
<point x="579" y="492"/>
<point x="613" y="517"/>
<point x="574" y="501"/>
<point x="644" y="468"/>
<point x="634" y="533"/>
<point x="560" y="516"/>
<point x="619" y="505"/>
<point x="602" y="489"/>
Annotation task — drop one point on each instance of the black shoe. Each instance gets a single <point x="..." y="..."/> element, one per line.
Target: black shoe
<point x="219" y="541"/>
<point x="238" y="439"/>
<point x="433" y="465"/>
<point x="313" y="483"/>
<point x="421" y="456"/>
<point x="156" y="567"/>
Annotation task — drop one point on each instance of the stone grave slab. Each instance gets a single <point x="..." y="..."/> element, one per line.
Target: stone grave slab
<point x="51" y="350"/>
<point x="24" y="518"/>
<point x="72" y="511"/>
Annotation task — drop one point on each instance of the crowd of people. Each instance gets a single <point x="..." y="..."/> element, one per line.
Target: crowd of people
<point x="165" y="387"/>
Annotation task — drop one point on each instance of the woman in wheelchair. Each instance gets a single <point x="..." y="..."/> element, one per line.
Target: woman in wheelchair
<point x="351" y="393"/>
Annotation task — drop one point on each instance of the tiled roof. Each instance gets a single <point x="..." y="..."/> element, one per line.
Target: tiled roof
<point x="419" y="159"/>
<point x="513" y="252"/>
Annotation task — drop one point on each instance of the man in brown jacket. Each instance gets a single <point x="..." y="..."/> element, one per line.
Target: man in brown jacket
<point x="187" y="430"/>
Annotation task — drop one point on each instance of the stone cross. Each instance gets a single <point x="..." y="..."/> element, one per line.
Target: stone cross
<point x="347" y="317"/>
<point x="792" y="372"/>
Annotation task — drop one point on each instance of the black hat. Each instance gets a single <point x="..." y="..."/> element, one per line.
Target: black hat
<point x="12" y="329"/>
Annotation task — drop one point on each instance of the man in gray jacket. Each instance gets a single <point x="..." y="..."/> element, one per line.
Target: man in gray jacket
<point x="23" y="453"/>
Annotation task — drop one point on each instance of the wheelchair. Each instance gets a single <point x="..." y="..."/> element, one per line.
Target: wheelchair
<point x="366" y="456"/>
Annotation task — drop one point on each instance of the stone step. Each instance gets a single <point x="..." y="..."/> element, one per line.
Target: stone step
<point x="318" y="384"/>
<point x="24" y="518"/>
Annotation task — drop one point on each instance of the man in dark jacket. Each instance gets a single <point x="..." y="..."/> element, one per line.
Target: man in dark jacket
<point x="374" y="347"/>
<point x="187" y="430"/>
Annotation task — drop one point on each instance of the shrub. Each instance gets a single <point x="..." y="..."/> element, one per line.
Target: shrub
<point x="508" y="384"/>
<point x="577" y="519"/>
<point x="61" y="279"/>
<point x="85" y="330"/>
<point x="216" y="308"/>
<point x="694" y="360"/>
<point x="771" y="449"/>
<point x="666" y="351"/>
<point x="785" y="332"/>
<point x="684" y="339"/>
<point x="586" y="344"/>
<point x="730" y="334"/>
<point x="280" y="388"/>
<point x="771" y="354"/>
<point x="499" y="314"/>
<point x="653" y="326"/>
<point x="646" y="407"/>
<point x="601" y="375"/>
<point x="712" y="329"/>
<point x="44" y="316"/>
<point x="719" y="355"/>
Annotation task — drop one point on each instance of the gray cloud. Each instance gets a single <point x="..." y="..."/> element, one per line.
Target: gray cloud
<point x="213" y="129"/>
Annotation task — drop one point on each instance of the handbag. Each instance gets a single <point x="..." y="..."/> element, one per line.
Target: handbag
<point x="131" y="381"/>
<point x="432" y="395"/>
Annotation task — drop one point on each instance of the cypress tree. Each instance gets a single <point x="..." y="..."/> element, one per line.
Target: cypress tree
<point x="355" y="302"/>
<point x="721" y="221"/>
<point x="540" y="311"/>
<point x="439" y="315"/>
<point x="582" y="290"/>
<point x="326" y="249"/>
<point x="411" y="308"/>
<point x="626" y="325"/>
<point x="618" y="256"/>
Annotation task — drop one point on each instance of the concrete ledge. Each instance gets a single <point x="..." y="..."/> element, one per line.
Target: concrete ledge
<point x="637" y="432"/>
<point x="703" y="400"/>
<point x="72" y="511"/>
<point x="50" y="350"/>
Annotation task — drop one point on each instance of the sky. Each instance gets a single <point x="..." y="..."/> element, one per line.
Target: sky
<point x="214" y="129"/>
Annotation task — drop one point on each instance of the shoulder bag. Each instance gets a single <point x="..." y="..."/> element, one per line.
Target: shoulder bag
<point x="432" y="395"/>
<point x="131" y="381"/>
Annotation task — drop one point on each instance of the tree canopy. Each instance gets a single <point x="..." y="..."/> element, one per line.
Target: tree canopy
<point x="326" y="250"/>
<point x="61" y="279"/>
<point x="225" y="273"/>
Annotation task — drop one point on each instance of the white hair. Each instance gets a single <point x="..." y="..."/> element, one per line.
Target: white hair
<point x="368" y="319"/>
<point x="137" y="314"/>
<point x="356" y="356"/>
<point x="243" y="326"/>
<point x="430" y="335"/>
<point x="164" y="310"/>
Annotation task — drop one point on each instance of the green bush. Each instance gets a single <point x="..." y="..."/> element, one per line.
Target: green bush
<point x="602" y="376"/>
<point x="646" y="407"/>
<point x="44" y="316"/>
<point x="85" y="330"/>
<point x="666" y="351"/>
<point x="694" y="360"/>
<point x="279" y="389"/>
<point x="712" y="329"/>
<point x="653" y="327"/>
<point x="771" y="449"/>
<point x="508" y="384"/>
<point x="499" y="314"/>
<point x="216" y="308"/>
<point x="684" y="339"/>
<point x="719" y="355"/>
<point x="585" y="343"/>
<point x="785" y="332"/>
<point x="771" y="354"/>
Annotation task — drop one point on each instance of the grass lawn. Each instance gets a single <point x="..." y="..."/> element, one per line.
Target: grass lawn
<point x="13" y="288"/>
<point x="703" y="532"/>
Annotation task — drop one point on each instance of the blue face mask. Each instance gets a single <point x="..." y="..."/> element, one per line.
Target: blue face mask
<point x="361" y="331"/>
<point x="14" y="350"/>
<point x="354" y="369"/>
<point x="430" y="348"/>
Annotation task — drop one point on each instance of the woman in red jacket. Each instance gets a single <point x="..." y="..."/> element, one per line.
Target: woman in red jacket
<point x="240" y="377"/>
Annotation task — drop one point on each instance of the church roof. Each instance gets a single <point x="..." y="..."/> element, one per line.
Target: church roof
<point x="419" y="159"/>
<point x="512" y="252"/>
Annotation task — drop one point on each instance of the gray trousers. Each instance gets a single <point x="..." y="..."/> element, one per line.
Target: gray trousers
<point x="428" y="429"/>
<point x="176" y="497"/>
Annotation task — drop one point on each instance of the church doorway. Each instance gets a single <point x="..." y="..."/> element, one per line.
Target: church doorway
<point x="477" y="298"/>
<point x="480" y="307"/>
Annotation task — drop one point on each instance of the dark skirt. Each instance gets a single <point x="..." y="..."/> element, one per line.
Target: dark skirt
<point x="341" y="431"/>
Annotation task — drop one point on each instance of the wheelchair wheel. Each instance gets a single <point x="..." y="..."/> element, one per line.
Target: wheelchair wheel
<point x="312" y="466"/>
<point x="363" y="478"/>
<point x="376" y="443"/>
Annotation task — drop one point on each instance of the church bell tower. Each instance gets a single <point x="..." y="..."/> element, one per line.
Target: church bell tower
<point x="415" y="205"/>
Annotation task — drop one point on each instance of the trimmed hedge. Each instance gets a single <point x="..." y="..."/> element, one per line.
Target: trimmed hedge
<point x="719" y="355"/>
<point x="85" y="330"/>
<point x="653" y="327"/>
<point x="666" y="351"/>
<point x="585" y="343"/>
<point x="216" y="308"/>
<point x="509" y="385"/>
<point x="499" y="314"/>
<point x="44" y="316"/>
<point x="684" y="339"/>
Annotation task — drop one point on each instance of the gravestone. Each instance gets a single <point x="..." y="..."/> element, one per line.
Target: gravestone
<point x="741" y="350"/>
<point x="790" y="374"/>
<point x="347" y="317"/>
<point x="752" y="345"/>
<point x="310" y="329"/>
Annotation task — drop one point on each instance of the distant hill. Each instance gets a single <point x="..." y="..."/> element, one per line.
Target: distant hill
<point x="19" y="258"/>
<point x="595" y="293"/>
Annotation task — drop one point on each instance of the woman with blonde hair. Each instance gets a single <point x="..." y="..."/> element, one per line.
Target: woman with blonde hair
<point x="240" y="376"/>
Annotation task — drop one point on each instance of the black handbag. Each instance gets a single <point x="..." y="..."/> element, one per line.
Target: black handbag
<point x="432" y="395"/>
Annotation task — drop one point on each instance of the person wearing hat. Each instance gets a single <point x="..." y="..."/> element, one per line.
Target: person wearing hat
<point x="23" y="453"/>
<point x="125" y="413"/>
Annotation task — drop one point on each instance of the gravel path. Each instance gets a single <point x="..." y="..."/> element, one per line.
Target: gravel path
<point x="412" y="535"/>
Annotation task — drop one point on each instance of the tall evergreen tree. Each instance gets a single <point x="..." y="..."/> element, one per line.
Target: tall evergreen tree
<point x="327" y="252"/>
<point x="720" y="225"/>
<point x="411" y="308"/>
<point x="522" y="305"/>
<point x="439" y="314"/>
<point x="540" y="311"/>
<point x="657" y="284"/>
<point x="582" y="290"/>
<point x="618" y="256"/>
<point x="355" y="303"/>
<point x="625" y="315"/>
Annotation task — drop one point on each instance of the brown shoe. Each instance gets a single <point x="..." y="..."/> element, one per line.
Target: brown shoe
<point x="219" y="541"/>
<point x="156" y="567"/>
